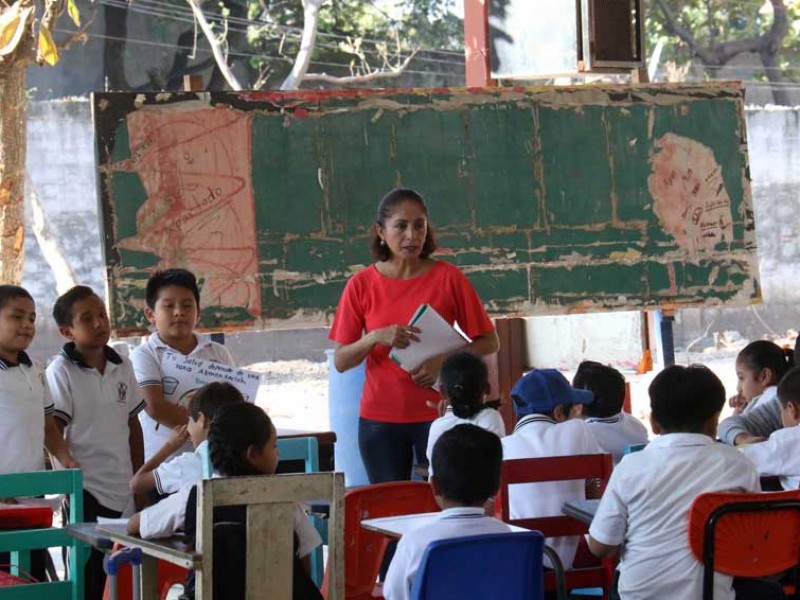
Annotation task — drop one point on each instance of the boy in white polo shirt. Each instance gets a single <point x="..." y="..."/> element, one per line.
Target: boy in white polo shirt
<point x="613" y="428"/>
<point x="644" y="512"/>
<point x="26" y="408"/>
<point x="168" y="475"/>
<point x="177" y="476"/>
<point x="547" y="406"/>
<point x="466" y="465"/>
<point x="97" y="401"/>
<point x="173" y="306"/>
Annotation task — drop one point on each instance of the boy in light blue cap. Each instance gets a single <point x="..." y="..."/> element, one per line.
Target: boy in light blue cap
<point x="545" y="403"/>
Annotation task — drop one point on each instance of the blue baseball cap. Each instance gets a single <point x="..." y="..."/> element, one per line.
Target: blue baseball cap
<point x="541" y="390"/>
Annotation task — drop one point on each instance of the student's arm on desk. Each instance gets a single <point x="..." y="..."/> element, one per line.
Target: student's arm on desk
<point x="166" y="413"/>
<point x="753" y="426"/>
<point x="133" y="524"/>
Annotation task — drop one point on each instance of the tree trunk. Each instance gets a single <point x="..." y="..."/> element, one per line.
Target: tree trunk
<point x="13" y="131"/>
<point x="116" y="31"/>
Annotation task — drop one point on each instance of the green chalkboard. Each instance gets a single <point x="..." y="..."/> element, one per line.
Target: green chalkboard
<point x="550" y="199"/>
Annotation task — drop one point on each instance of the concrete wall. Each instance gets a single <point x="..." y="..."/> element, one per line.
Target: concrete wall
<point x="61" y="167"/>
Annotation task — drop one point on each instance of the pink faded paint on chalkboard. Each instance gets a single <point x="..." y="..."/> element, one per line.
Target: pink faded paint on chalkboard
<point x="200" y="209"/>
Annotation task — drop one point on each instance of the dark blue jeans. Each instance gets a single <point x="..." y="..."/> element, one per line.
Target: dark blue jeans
<point x="390" y="450"/>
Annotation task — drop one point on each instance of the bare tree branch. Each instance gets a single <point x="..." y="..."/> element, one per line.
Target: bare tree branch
<point x="215" y="42"/>
<point x="80" y="35"/>
<point x="307" y="42"/>
<point x="372" y="76"/>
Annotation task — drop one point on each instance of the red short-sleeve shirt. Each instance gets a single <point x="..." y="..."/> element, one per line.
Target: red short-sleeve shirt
<point x="371" y="300"/>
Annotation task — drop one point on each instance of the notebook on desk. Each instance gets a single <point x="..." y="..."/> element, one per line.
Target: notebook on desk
<point x="436" y="337"/>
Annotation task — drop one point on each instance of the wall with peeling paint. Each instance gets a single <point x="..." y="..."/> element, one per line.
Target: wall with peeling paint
<point x="552" y="200"/>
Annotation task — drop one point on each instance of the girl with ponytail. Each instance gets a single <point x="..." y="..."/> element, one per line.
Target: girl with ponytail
<point x="760" y="366"/>
<point x="464" y="382"/>
<point x="242" y="441"/>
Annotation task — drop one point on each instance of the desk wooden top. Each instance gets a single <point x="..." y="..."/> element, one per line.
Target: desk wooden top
<point x="172" y="549"/>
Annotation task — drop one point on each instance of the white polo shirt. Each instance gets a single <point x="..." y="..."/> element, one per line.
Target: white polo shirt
<point x="489" y="419"/>
<point x="146" y="360"/>
<point x="614" y="433"/>
<point x="778" y="456"/>
<point x="180" y="471"/>
<point x="646" y="508"/>
<point x="24" y="401"/>
<point x="450" y="523"/>
<point x="96" y="408"/>
<point x="539" y="436"/>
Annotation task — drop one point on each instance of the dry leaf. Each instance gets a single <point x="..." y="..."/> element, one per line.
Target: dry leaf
<point x="13" y="21"/>
<point x="47" y="51"/>
<point x="74" y="13"/>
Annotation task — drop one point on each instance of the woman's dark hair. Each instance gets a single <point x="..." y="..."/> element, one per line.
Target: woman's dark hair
<point x="234" y="429"/>
<point x="465" y="380"/>
<point x="386" y="207"/>
<point x="767" y="355"/>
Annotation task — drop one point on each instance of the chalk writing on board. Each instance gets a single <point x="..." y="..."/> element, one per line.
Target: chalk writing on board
<point x="202" y="215"/>
<point x="690" y="199"/>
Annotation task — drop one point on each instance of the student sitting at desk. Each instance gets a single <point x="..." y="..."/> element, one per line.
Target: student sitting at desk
<point x="613" y="428"/>
<point x="243" y="441"/>
<point x="466" y="464"/>
<point x="464" y="381"/>
<point x="180" y="473"/>
<point x="644" y="512"/>
<point x="547" y="406"/>
<point x="778" y="455"/>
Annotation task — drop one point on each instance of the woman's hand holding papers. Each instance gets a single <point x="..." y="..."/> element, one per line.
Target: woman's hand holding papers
<point x="396" y="336"/>
<point x="427" y="373"/>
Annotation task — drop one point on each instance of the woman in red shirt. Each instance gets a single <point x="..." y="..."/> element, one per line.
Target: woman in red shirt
<point x="376" y="304"/>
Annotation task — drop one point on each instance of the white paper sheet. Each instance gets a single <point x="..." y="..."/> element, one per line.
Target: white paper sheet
<point x="436" y="337"/>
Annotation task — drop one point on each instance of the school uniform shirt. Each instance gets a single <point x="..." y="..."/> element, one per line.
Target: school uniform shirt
<point x="146" y="360"/>
<point x="645" y="508"/>
<point x="450" y="523"/>
<point x="180" y="471"/>
<point x="614" y="433"/>
<point x="539" y="436"/>
<point x="96" y="407"/>
<point x="24" y="401"/>
<point x="778" y="456"/>
<point x="371" y="301"/>
<point x="489" y="419"/>
<point x="768" y="394"/>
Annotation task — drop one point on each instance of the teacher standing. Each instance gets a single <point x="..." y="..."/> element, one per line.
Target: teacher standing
<point x="376" y="304"/>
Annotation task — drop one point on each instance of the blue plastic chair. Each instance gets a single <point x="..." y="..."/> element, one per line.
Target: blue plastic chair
<point x="497" y="565"/>
<point x="21" y="541"/>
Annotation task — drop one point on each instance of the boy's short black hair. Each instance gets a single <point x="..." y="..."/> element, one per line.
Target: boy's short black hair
<point x="606" y="383"/>
<point x="789" y="388"/>
<point x="211" y="397"/>
<point x="12" y="292"/>
<point x="167" y="277"/>
<point x="682" y="399"/>
<point x="466" y="461"/>
<point x="62" y="309"/>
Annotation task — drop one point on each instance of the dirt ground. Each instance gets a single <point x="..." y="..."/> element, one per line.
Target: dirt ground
<point x="295" y="393"/>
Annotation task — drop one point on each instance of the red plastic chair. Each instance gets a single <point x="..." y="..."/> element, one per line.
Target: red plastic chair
<point x="363" y="549"/>
<point x="168" y="575"/>
<point x="559" y="468"/>
<point x="745" y="535"/>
